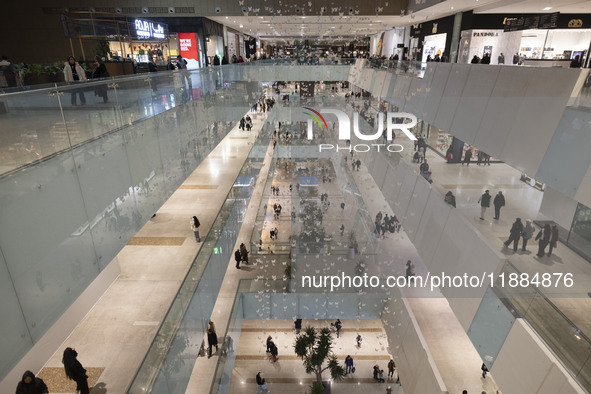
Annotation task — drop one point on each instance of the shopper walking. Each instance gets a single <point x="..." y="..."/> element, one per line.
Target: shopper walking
<point x="543" y="239"/>
<point x="515" y="234"/>
<point x="195" y="228"/>
<point x="29" y="384"/>
<point x="498" y="202"/>
<point x="261" y="384"/>
<point x="244" y="253"/>
<point x="484" y="370"/>
<point x="75" y="371"/>
<point x="212" y="338"/>
<point x="238" y="258"/>
<point x="391" y="368"/>
<point x="467" y="157"/>
<point x="74" y="73"/>
<point x="527" y="233"/>
<point x="273" y="350"/>
<point x="348" y="365"/>
<point x="553" y="238"/>
<point x="484" y="201"/>
<point x="358" y="340"/>
<point x="99" y="70"/>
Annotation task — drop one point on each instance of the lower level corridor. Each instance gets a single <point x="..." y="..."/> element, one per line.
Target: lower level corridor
<point x="115" y="335"/>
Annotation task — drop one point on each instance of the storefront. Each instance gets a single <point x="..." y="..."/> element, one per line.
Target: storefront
<point x="387" y="44"/>
<point x="439" y="140"/>
<point x="147" y="41"/>
<point x="549" y="40"/>
<point x="431" y="38"/>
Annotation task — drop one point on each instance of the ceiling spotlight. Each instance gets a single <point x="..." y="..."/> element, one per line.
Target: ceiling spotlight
<point x="241" y="26"/>
<point x="547" y="8"/>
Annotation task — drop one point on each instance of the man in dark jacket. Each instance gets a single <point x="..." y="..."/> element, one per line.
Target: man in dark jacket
<point x="237" y="257"/>
<point x="499" y="202"/>
<point x="484" y="201"/>
<point x="515" y="234"/>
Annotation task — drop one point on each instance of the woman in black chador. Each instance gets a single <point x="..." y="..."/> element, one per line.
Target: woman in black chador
<point x="29" y="384"/>
<point x="75" y="371"/>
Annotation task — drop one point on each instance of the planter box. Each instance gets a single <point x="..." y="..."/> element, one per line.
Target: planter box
<point x="33" y="79"/>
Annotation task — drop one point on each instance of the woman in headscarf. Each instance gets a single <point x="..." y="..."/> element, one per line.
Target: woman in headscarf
<point x="29" y="384"/>
<point x="75" y="371"/>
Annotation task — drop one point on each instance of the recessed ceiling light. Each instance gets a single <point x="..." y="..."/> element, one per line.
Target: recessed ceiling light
<point x="547" y="8"/>
<point x="241" y="26"/>
<point x="226" y="17"/>
<point x="452" y="8"/>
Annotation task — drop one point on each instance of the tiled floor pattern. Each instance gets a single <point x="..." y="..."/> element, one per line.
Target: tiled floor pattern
<point x="288" y="374"/>
<point x="57" y="382"/>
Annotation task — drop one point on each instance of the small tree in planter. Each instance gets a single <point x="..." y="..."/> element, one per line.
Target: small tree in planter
<point x="315" y="348"/>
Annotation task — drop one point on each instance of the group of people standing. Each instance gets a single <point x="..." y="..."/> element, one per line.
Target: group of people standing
<point x="386" y="223"/>
<point x="245" y="123"/>
<point x="484" y="201"/>
<point x="241" y="255"/>
<point x="547" y="236"/>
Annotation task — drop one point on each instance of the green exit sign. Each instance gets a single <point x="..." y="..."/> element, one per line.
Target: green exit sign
<point x="217" y="250"/>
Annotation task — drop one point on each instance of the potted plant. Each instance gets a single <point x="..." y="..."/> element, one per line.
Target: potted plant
<point x="314" y="347"/>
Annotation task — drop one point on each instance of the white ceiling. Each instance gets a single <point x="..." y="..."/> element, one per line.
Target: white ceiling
<point x="344" y="28"/>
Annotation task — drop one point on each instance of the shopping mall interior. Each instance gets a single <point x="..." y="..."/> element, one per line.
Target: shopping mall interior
<point x="248" y="176"/>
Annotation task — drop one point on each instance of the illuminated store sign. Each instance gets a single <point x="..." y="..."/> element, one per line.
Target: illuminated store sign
<point x="145" y="29"/>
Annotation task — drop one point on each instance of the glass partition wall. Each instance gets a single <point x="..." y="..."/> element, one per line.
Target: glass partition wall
<point x="149" y="135"/>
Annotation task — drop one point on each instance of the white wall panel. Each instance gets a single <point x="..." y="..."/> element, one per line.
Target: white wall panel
<point x="401" y="90"/>
<point x="406" y="190"/>
<point x="395" y="177"/>
<point x="431" y="227"/>
<point x="475" y="96"/>
<point x="435" y="91"/>
<point x="423" y="90"/>
<point x="378" y="83"/>
<point x="417" y="206"/>
<point x="418" y="372"/>
<point x="392" y="186"/>
<point x="451" y="96"/>
<point x="414" y="96"/>
<point x="502" y="108"/>
<point x="567" y="159"/>
<point x="525" y="355"/>
<point x="583" y="194"/>
<point x="558" y="207"/>
<point x="390" y="93"/>
<point x="386" y="86"/>
<point x="557" y="382"/>
<point x="379" y="169"/>
<point x="538" y="116"/>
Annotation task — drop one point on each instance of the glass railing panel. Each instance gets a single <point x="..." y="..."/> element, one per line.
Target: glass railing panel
<point x="185" y="323"/>
<point x="581" y="96"/>
<point x="32" y="127"/>
<point x="562" y="336"/>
